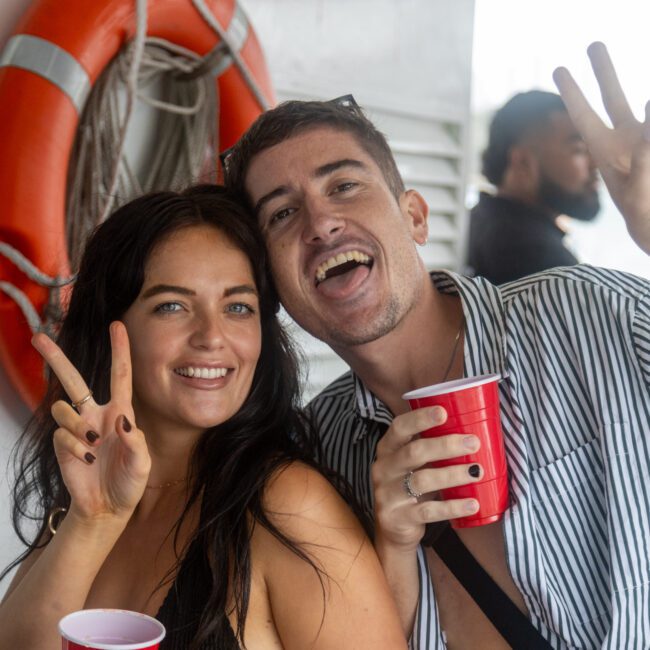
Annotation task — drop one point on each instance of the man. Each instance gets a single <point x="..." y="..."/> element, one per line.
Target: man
<point x="541" y="169"/>
<point x="572" y="346"/>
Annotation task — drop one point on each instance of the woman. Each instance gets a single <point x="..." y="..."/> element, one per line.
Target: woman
<point x="186" y="498"/>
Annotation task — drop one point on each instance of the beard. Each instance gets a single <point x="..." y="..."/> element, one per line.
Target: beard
<point x="583" y="206"/>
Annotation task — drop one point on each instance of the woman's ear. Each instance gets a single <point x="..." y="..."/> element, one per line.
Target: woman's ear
<point x="416" y="211"/>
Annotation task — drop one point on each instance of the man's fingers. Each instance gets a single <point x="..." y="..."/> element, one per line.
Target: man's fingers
<point x="613" y="96"/>
<point x="585" y="119"/>
<point x="408" y="425"/>
<point x="425" y="481"/>
<point x="72" y="382"/>
<point x="121" y="381"/>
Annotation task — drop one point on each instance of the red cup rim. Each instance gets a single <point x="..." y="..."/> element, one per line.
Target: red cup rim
<point x="113" y="646"/>
<point x="451" y="386"/>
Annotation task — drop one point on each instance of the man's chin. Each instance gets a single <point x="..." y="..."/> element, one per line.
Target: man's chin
<point x="585" y="210"/>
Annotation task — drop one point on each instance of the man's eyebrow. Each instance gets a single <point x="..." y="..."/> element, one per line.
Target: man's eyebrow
<point x="321" y="171"/>
<point x="328" y="168"/>
<point x="167" y="288"/>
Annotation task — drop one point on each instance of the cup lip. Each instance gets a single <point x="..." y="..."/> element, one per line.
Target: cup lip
<point x="451" y="386"/>
<point x="112" y="646"/>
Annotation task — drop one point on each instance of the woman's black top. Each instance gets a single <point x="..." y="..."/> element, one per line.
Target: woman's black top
<point x="181" y="610"/>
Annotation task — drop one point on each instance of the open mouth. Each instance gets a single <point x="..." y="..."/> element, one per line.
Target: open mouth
<point x="202" y="372"/>
<point x="340" y="264"/>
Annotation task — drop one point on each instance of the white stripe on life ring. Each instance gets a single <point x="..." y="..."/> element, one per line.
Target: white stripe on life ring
<point x="237" y="34"/>
<point x="49" y="61"/>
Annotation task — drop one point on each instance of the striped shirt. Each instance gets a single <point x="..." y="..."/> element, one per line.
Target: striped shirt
<point x="573" y="346"/>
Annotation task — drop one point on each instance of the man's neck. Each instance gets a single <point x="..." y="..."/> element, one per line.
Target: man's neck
<point x="415" y="353"/>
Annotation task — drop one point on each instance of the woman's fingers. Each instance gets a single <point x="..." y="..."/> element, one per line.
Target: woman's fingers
<point x="121" y="381"/>
<point x="67" y="418"/>
<point x="67" y="442"/>
<point x="72" y="382"/>
<point x="613" y="96"/>
<point x="134" y="441"/>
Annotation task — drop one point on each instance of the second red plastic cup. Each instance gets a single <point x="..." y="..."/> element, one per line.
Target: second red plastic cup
<point x="472" y="406"/>
<point x="110" y="629"/>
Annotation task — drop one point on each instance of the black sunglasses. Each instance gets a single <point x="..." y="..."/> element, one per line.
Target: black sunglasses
<point x="347" y="101"/>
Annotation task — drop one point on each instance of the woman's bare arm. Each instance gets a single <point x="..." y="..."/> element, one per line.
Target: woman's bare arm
<point x="353" y="607"/>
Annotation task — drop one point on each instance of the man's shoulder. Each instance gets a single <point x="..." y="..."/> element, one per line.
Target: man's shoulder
<point x="338" y="395"/>
<point x="577" y="280"/>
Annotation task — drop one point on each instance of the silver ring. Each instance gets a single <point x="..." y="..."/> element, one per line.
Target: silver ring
<point x="408" y="487"/>
<point x="83" y="400"/>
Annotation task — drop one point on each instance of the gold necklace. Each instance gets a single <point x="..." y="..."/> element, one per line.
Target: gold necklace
<point x="166" y="485"/>
<point x="453" y="352"/>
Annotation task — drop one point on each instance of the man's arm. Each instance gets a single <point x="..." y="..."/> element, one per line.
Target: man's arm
<point x="622" y="153"/>
<point x="400" y="518"/>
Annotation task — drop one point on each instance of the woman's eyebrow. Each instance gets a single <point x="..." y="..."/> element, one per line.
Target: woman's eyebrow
<point x="167" y="288"/>
<point x="242" y="288"/>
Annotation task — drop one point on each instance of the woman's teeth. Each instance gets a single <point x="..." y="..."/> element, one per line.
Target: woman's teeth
<point x="202" y="373"/>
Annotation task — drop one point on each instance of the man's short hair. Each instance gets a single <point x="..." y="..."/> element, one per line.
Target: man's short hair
<point x="294" y="117"/>
<point x="514" y="120"/>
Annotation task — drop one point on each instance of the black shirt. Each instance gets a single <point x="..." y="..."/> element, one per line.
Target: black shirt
<point x="509" y="239"/>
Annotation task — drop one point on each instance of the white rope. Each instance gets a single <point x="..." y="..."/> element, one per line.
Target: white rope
<point x="137" y="51"/>
<point x="209" y="18"/>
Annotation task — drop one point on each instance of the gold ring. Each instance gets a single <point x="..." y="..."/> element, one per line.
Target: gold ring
<point x="50" y="519"/>
<point x="83" y="400"/>
<point x="409" y="488"/>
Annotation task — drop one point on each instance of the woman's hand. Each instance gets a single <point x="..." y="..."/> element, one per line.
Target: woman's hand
<point x="621" y="153"/>
<point x="103" y="457"/>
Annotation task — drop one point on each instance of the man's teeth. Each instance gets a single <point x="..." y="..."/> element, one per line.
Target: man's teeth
<point x="202" y="373"/>
<point x="336" y="260"/>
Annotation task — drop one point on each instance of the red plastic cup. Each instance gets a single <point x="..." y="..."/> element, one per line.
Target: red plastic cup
<point x="472" y="406"/>
<point x="110" y="629"/>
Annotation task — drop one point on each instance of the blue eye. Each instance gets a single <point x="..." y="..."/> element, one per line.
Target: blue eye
<point x="240" y="309"/>
<point x="167" y="308"/>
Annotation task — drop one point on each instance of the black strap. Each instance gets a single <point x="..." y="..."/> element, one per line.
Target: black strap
<point x="506" y="617"/>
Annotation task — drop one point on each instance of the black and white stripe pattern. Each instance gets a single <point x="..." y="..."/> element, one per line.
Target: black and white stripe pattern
<point x="573" y="345"/>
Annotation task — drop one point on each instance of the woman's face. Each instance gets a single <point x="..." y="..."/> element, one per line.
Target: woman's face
<point x="194" y="331"/>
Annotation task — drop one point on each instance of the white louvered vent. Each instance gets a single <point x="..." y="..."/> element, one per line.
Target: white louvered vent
<point x="430" y="153"/>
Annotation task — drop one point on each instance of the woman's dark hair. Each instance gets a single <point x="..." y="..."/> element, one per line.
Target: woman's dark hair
<point x="233" y="461"/>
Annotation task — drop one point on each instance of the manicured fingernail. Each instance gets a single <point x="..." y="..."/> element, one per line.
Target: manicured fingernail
<point x="439" y="414"/>
<point x="126" y="425"/>
<point x="474" y="470"/>
<point x="471" y="506"/>
<point x="91" y="436"/>
<point x="90" y="459"/>
<point x="471" y="443"/>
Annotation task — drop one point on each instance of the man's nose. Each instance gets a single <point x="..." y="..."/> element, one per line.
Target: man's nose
<point x="322" y="222"/>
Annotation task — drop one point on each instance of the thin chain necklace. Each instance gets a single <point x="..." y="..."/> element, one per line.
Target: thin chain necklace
<point x="453" y="352"/>
<point x="166" y="485"/>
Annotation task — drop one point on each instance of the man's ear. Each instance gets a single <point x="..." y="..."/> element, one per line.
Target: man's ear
<point x="523" y="163"/>
<point x="416" y="211"/>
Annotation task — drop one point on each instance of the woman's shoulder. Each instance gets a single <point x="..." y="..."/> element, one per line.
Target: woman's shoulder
<point x="299" y="499"/>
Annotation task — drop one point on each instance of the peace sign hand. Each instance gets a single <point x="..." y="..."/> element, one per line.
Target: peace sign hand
<point x="102" y="456"/>
<point x="621" y="153"/>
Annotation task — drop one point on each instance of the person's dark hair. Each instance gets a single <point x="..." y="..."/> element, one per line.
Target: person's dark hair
<point x="294" y="117"/>
<point x="233" y="461"/>
<point x="518" y="117"/>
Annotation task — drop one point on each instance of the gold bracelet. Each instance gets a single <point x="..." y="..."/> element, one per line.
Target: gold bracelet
<point x="53" y="514"/>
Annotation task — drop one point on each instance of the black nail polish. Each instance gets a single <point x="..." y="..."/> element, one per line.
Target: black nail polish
<point x="126" y="425"/>
<point x="90" y="459"/>
<point x="474" y="471"/>
<point x="91" y="436"/>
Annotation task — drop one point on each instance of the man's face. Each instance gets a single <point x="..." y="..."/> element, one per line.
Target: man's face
<point x="341" y="245"/>
<point x="568" y="182"/>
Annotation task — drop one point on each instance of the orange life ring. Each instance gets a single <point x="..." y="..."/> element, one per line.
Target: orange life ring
<point x="48" y="66"/>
